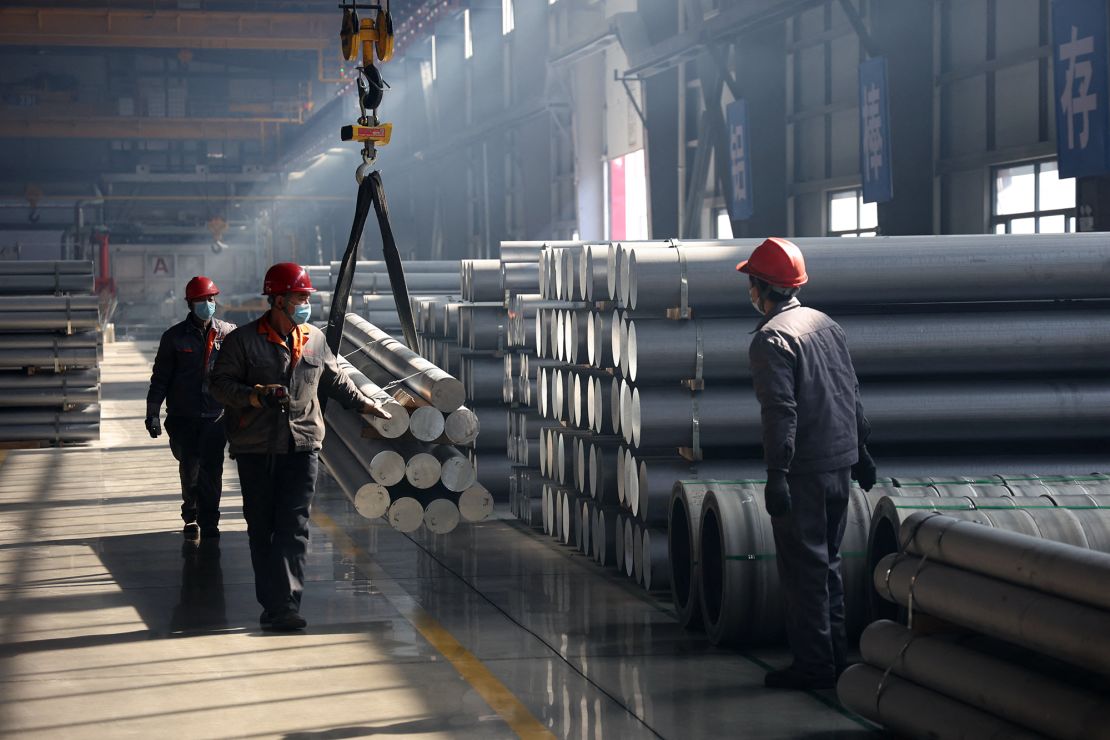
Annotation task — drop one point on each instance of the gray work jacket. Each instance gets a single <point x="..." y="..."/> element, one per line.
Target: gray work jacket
<point x="184" y="361"/>
<point x="808" y="393"/>
<point x="257" y="355"/>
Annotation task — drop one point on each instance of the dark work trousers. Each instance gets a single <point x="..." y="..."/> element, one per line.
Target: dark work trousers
<point x="277" y="493"/>
<point x="808" y="543"/>
<point x="198" y="445"/>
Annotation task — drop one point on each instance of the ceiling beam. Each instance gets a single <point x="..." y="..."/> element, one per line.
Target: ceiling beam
<point x="124" y="127"/>
<point x="167" y="29"/>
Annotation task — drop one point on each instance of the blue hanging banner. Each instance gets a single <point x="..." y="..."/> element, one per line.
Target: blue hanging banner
<point x="740" y="204"/>
<point x="1080" y="71"/>
<point x="874" y="128"/>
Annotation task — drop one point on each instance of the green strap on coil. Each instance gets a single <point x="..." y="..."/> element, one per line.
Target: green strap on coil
<point x="754" y="556"/>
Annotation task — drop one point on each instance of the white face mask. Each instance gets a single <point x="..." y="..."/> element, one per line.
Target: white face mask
<point x="754" y="295"/>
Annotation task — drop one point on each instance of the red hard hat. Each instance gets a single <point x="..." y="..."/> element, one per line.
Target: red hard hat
<point x="778" y="262"/>
<point x="286" y="277"/>
<point x="200" y="287"/>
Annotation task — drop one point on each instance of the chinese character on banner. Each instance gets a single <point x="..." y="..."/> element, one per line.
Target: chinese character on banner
<point x="874" y="147"/>
<point x="740" y="204"/>
<point x="1080" y="71"/>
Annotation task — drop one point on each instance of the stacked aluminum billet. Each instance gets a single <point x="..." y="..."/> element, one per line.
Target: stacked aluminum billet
<point x="371" y="293"/>
<point x="485" y="337"/>
<point x="592" y="489"/>
<point x="50" y="348"/>
<point x="409" y="468"/>
<point x="1017" y="622"/>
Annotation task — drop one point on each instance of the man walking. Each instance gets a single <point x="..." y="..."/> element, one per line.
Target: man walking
<point x="185" y="358"/>
<point x="814" y="442"/>
<point x="268" y="376"/>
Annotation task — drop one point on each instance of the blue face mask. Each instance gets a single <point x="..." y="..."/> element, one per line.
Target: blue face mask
<point x="301" y="313"/>
<point x="204" y="310"/>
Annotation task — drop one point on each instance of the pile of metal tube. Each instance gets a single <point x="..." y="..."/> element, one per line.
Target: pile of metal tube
<point x="722" y="551"/>
<point x="1016" y="615"/>
<point x="50" y="350"/>
<point x="371" y="293"/>
<point x="573" y="475"/>
<point x="413" y="468"/>
<point x="628" y="370"/>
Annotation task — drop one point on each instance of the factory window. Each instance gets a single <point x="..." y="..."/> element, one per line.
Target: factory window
<point x="468" y="38"/>
<point x="848" y="215"/>
<point x="508" y="19"/>
<point x="724" y="224"/>
<point x="1030" y="198"/>
<point x="626" y="197"/>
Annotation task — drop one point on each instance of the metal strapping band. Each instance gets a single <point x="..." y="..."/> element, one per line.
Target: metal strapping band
<point x="886" y="576"/>
<point x="913" y="535"/>
<point x="696" y="424"/>
<point x="684" y="286"/>
<point x="699" y="355"/>
<point x="913" y="585"/>
<point x="886" y="674"/>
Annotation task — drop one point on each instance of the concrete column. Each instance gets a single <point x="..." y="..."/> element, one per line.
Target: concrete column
<point x="903" y="32"/>
<point x="761" y="77"/>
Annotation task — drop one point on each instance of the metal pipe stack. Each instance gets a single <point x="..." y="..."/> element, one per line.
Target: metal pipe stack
<point x="50" y="348"/>
<point x="957" y="341"/>
<point x="625" y="369"/>
<point x="570" y="468"/>
<point x="722" y="549"/>
<point x="408" y="469"/>
<point x="1024" y="644"/>
<point x="372" y="295"/>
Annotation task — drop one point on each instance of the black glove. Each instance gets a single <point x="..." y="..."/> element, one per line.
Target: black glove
<point x="154" y="426"/>
<point x="274" y="397"/>
<point x="776" y="494"/>
<point x="863" y="472"/>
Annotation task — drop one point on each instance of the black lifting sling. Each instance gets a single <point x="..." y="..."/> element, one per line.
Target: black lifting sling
<point x="370" y="191"/>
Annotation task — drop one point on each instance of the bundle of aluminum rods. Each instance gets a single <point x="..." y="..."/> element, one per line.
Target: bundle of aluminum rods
<point x="50" y="349"/>
<point x="1023" y="648"/>
<point x="409" y="468"/>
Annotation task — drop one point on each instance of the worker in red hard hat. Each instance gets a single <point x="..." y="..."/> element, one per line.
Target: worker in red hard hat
<point x="182" y="367"/>
<point x="267" y="377"/>
<point x="814" y="444"/>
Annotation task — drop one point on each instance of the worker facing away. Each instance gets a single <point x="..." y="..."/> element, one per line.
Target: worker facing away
<point x="267" y="377"/>
<point x="186" y="355"/>
<point x="814" y="443"/>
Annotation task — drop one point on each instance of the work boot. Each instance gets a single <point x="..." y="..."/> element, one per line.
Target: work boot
<point x="191" y="531"/>
<point x="286" y="621"/>
<point x="792" y="678"/>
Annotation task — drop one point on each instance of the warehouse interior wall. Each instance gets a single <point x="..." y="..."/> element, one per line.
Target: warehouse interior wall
<point x="970" y="90"/>
<point x="506" y="133"/>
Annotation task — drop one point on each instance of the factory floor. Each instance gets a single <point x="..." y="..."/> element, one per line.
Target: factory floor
<point x="111" y="626"/>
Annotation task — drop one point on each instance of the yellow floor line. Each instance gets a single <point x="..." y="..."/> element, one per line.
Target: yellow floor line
<point x="496" y="694"/>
